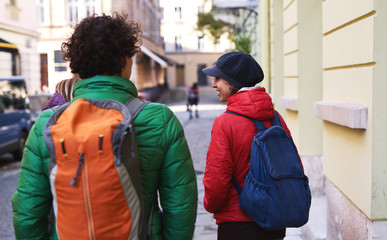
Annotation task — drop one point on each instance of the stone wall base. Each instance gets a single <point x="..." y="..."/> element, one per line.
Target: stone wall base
<point x="345" y="221"/>
<point x="313" y="169"/>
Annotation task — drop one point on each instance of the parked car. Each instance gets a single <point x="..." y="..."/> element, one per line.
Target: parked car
<point x="15" y="119"/>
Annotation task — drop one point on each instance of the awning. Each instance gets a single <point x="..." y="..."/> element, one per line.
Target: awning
<point x="8" y="47"/>
<point x="154" y="56"/>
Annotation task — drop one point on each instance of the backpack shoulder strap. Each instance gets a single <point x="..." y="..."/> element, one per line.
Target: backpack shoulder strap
<point x="258" y="124"/>
<point x="135" y="105"/>
<point x="276" y="120"/>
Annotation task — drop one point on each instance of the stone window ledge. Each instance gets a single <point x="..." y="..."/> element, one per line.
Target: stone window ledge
<point x="350" y="115"/>
<point x="289" y="103"/>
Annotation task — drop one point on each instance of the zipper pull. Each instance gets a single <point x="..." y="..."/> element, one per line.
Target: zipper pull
<point x="63" y="147"/>
<point x="100" y="143"/>
<point x="81" y="158"/>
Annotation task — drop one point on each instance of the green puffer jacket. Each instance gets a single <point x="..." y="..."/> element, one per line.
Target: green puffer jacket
<point x="165" y="160"/>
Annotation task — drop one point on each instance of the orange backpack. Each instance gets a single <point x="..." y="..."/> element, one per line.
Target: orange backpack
<point x="94" y="170"/>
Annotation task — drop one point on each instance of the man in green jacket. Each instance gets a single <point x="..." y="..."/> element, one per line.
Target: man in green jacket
<point x="100" y="51"/>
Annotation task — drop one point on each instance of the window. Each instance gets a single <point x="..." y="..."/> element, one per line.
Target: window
<point x="90" y="7"/>
<point x="41" y="11"/>
<point x="14" y="10"/>
<point x="72" y="11"/>
<point x="178" y="13"/>
<point x="200" y="43"/>
<point x="58" y="56"/>
<point x="60" y="65"/>
<point x="178" y="46"/>
<point x="163" y="42"/>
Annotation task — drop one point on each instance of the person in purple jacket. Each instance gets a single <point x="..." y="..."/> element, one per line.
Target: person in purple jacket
<point x="63" y="93"/>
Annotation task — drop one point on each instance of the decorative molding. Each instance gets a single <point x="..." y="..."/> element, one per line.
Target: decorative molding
<point x="287" y="6"/>
<point x="291" y="27"/>
<point x="367" y="15"/>
<point x="290" y="53"/>
<point x="360" y="65"/>
<point x="290" y="103"/>
<point x="350" y="115"/>
<point x="19" y="30"/>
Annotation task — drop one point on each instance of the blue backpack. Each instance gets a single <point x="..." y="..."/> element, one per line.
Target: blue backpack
<point x="276" y="192"/>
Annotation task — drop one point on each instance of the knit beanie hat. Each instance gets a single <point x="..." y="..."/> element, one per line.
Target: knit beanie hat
<point x="237" y="68"/>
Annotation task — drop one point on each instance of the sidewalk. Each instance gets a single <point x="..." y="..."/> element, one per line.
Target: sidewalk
<point x="198" y="134"/>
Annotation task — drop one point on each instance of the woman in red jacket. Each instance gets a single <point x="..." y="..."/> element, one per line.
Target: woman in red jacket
<point x="229" y="151"/>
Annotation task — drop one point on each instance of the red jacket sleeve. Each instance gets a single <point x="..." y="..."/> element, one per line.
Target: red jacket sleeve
<point x="219" y="169"/>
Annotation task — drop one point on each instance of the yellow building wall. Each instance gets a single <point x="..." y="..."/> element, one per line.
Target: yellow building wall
<point x="302" y="71"/>
<point x="276" y="53"/>
<point x="348" y="62"/>
<point x="354" y="72"/>
<point x="379" y="114"/>
<point x="290" y="50"/>
<point x="334" y="53"/>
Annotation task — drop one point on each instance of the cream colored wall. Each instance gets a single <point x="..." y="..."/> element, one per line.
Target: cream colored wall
<point x="309" y="75"/>
<point x="348" y="62"/>
<point x="290" y="50"/>
<point x="379" y="115"/>
<point x="262" y="48"/>
<point x="276" y="53"/>
<point x="352" y="88"/>
<point x="19" y="26"/>
<point x="302" y="69"/>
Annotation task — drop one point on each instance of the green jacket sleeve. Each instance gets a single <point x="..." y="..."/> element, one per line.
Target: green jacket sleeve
<point x="178" y="187"/>
<point x="31" y="202"/>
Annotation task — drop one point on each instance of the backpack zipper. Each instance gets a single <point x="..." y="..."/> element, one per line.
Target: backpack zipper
<point x="86" y="193"/>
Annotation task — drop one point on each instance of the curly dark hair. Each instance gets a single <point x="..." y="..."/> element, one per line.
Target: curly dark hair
<point x="100" y="44"/>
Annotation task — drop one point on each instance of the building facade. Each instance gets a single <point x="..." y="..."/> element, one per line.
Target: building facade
<point x="187" y="49"/>
<point x="328" y="75"/>
<point x="57" y="19"/>
<point x="18" y="42"/>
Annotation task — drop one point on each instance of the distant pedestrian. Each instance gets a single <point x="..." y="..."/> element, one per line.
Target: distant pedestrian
<point x="236" y="75"/>
<point x="63" y="93"/>
<point x="193" y="99"/>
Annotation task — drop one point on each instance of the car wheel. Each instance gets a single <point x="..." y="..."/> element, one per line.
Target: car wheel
<point x="17" y="154"/>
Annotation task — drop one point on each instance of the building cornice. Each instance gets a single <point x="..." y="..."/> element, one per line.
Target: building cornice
<point x="19" y="30"/>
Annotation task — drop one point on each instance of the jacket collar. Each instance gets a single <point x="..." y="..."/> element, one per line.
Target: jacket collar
<point x="105" y="87"/>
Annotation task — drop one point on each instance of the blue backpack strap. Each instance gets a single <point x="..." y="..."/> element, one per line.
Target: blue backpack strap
<point x="236" y="185"/>
<point x="258" y="124"/>
<point x="276" y="120"/>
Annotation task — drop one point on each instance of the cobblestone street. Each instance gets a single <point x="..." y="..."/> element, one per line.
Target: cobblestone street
<point x="198" y="134"/>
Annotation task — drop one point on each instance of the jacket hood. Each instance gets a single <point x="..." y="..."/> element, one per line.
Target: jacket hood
<point x="105" y="87"/>
<point x="255" y="103"/>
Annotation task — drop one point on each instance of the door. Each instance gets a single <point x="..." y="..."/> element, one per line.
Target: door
<point x="202" y="78"/>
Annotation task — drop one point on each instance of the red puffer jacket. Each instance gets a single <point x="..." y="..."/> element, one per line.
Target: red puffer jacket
<point x="229" y="152"/>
